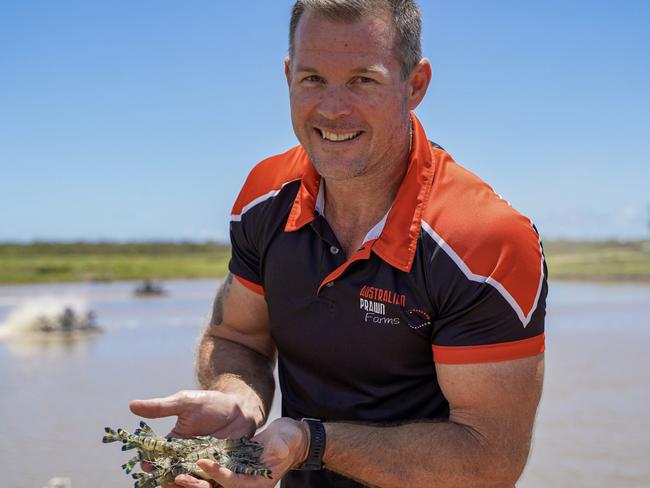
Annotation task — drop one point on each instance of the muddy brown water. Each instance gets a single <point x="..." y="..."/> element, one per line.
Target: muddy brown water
<point x="592" y="429"/>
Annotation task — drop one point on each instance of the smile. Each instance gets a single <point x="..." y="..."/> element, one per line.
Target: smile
<point x="334" y="137"/>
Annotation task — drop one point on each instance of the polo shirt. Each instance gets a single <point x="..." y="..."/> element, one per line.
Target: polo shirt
<point x="452" y="274"/>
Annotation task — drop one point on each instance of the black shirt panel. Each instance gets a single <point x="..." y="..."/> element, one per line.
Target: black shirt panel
<point x="471" y="313"/>
<point x="317" y="479"/>
<point x="339" y="360"/>
<point x="251" y="234"/>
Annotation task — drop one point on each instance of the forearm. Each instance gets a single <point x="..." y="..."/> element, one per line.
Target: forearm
<point x="440" y="455"/>
<point x="230" y="367"/>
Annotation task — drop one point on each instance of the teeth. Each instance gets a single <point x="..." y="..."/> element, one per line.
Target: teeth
<point x="331" y="136"/>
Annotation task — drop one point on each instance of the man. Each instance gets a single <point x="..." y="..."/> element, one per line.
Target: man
<point x="404" y="298"/>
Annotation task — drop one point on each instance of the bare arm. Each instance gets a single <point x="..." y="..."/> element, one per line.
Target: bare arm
<point x="484" y="444"/>
<point x="236" y="354"/>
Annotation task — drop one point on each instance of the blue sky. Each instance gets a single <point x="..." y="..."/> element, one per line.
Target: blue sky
<point x="141" y="119"/>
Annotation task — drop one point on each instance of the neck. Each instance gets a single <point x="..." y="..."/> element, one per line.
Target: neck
<point x="354" y="206"/>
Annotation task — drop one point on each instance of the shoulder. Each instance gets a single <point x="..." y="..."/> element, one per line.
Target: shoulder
<point x="269" y="177"/>
<point x="464" y="208"/>
<point x="485" y="237"/>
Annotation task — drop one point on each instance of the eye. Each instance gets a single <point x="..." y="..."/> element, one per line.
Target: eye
<point x="312" y="79"/>
<point x="363" y="80"/>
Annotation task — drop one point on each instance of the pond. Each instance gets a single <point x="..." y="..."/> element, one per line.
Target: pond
<point x="592" y="428"/>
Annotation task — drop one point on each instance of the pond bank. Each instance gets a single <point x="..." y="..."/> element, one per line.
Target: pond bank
<point x="597" y="261"/>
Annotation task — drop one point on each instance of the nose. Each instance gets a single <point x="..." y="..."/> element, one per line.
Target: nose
<point x="334" y="103"/>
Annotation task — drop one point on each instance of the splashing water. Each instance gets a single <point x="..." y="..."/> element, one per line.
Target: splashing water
<point x="25" y="318"/>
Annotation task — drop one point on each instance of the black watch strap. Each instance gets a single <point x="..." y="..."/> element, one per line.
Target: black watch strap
<point x="314" y="459"/>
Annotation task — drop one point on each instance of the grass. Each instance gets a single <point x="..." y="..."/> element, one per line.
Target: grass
<point x="599" y="260"/>
<point x="59" y="262"/>
<point x="44" y="262"/>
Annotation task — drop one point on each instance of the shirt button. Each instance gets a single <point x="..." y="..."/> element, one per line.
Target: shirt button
<point x="330" y="284"/>
<point x="334" y="250"/>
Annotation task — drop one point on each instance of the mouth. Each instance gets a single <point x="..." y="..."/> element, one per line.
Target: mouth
<point x="338" y="136"/>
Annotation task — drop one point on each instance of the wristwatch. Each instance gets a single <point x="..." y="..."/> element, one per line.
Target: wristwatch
<point x="314" y="461"/>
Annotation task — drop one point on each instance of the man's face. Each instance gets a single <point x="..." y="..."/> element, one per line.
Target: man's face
<point x="349" y="105"/>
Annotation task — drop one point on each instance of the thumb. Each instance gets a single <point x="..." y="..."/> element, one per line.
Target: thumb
<point x="221" y="475"/>
<point x="154" y="408"/>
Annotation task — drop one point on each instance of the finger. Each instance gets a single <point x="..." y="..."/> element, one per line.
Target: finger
<point x="223" y="476"/>
<point x="154" y="408"/>
<point x="170" y="485"/>
<point x="230" y="432"/>
<point x="187" y="481"/>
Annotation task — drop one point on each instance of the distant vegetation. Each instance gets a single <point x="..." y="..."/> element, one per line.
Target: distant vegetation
<point x="599" y="260"/>
<point x="57" y="262"/>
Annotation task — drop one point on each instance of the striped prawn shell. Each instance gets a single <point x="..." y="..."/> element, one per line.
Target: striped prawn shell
<point x="170" y="457"/>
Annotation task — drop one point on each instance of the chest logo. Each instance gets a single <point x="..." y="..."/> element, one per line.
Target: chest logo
<point x="420" y="318"/>
<point x="373" y="301"/>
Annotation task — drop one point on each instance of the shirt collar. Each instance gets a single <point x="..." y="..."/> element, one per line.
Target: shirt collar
<point x="394" y="238"/>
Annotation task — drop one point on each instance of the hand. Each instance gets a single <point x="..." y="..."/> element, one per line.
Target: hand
<point x="286" y="442"/>
<point x="199" y="412"/>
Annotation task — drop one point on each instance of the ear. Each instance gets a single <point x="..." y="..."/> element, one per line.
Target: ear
<point x="287" y="70"/>
<point x="418" y="82"/>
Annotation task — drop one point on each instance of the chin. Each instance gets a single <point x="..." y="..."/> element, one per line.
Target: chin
<point x="338" y="170"/>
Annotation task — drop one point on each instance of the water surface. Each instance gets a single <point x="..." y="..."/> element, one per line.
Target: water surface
<point x="55" y="398"/>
